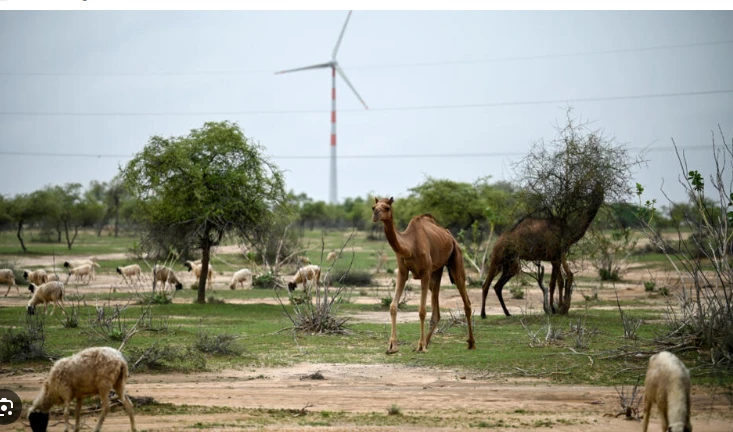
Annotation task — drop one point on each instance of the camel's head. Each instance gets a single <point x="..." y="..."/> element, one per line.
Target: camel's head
<point x="382" y="209"/>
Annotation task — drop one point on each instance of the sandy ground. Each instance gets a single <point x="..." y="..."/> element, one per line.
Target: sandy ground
<point x="447" y="394"/>
<point x="464" y="401"/>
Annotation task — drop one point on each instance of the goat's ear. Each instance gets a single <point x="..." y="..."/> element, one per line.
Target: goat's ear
<point x="376" y="200"/>
<point x="391" y="200"/>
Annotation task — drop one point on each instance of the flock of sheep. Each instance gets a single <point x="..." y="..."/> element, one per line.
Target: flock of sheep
<point x="96" y="371"/>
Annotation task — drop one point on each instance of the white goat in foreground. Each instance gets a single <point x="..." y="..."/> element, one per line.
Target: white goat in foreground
<point x="667" y="384"/>
<point x="240" y="277"/>
<point x="50" y="292"/>
<point x="310" y="272"/>
<point x="7" y="276"/>
<point x="90" y="372"/>
<point x="197" y="267"/>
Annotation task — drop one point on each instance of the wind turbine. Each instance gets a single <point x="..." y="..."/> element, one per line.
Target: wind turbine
<point x="333" y="64"/>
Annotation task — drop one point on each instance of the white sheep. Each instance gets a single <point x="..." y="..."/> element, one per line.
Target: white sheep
<point x="240" y="277"/>
<point x="130" y="271"/>
<point x="304" y="260"/>
<point x="53" y="276"/>
<point x="7" y="276"/>
<point x="90" y="372"/>
<point x="50" y="292"/>
<point x="166" y="275"/>
<point x="667" y="384"/>
<point x="78" y="263"/>
<point x="196" y="267"/>
<point x="37" y="277"/>
<point x="331" y="256"/>
<point x="81" y="272"/>
<point x="304" y="274"/>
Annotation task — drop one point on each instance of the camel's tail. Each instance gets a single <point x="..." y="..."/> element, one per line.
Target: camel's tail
<point x="455" y="264"/>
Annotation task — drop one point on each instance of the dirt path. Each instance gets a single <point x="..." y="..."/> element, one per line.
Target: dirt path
<point x="460" y="401"/>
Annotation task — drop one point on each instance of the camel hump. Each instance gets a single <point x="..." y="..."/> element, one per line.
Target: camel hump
<point x="429" y="217"/>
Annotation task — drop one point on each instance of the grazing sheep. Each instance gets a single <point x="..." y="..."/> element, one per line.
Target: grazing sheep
<point x="304" y="274"/>
<point x="166" y="275"/>
<point x="7" y="276"/>
<point x="130" y="271"/>
<point x="44" y="294"/>
<point x="90" y="372"/>
<point x="53" y="276"/>
<point x="667" y="384"/>
<point x="37" y="277"/>
<point x="78" y="263"/>
<point x="304" y="260"/>
<point x="81" y="272"/>
<point x="240" y="277"/>
<point x="332" y="256"/>
<point x="196" y="268"/>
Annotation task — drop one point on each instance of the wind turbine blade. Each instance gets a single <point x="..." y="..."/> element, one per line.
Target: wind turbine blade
<point x="341" y="36"/>
<point x="317" y="66"/>
<point x="343" y="75"/>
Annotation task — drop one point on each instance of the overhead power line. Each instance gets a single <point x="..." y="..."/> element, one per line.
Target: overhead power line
<point x="385" y="109"/>
<point x="356" y="156"/>
<point x="382" y="66"/>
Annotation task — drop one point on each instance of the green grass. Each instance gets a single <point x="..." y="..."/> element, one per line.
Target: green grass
<point x="503" y="345"/>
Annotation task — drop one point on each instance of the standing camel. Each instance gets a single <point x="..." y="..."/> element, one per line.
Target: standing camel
<point x="423" y="249"/>
<point x="538" y="239"/>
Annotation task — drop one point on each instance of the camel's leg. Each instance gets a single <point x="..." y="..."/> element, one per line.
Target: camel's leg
<point x="422" y="346"/>
<point x="554" y="279"/>
<point x="104" y="399"/>
<point x="493" y="270"/>
<point x="434" y="302"/>
<point x="568" y="287"/>
<point x="126" y="403"/>
<point x="77" y="414"/>
<point x="461" y="285"/>
<point x="399" y="287"/>
<point x="508" y="272"/>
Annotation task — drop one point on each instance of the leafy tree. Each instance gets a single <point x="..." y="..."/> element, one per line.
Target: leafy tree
<point x="192" y="190"/>
<point x="20" y="211"/>
<point x="567" y="180"/>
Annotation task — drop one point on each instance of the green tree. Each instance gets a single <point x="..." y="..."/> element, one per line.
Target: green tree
<point x="194" y="189"/>
<point x="20" y="211"/>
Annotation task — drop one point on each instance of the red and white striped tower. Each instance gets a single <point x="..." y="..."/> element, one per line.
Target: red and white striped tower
<point x="333" y="64"/>
<point x="333" y="182"/>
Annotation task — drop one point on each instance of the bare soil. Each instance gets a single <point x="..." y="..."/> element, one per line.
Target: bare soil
<point x="459" y="401"/>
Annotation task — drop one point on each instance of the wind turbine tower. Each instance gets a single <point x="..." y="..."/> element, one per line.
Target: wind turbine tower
<point x="335" y="68"/>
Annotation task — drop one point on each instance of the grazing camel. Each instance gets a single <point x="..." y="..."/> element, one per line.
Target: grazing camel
<point x="539" y="239"/>
<point x="423" y="248"/>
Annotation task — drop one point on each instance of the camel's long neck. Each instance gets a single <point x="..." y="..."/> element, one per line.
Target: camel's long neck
<point x="394" y="238"/>
<point x="586" y="218"/>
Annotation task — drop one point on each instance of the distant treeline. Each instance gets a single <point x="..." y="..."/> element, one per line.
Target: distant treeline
<point x="59" y="212"/>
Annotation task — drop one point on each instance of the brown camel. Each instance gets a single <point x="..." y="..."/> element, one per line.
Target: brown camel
<point x="539" y="239"/>
<point x="423" y="249"/>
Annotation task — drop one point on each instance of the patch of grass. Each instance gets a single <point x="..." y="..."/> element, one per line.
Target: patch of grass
<point x="517" y="292"/>
<point x="24" y="343"/>
<point x="394" y="410"/>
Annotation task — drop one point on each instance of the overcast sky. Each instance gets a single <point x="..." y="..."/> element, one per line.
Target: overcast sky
<point x="477" y="88"/>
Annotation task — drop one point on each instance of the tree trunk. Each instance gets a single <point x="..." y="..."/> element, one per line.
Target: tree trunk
<point x="70" y="240"/>
<point x="103" y="223"/>
<point x="117" y="215"/>
<point x="205" y="254"/>
<point x="20" y="236"/>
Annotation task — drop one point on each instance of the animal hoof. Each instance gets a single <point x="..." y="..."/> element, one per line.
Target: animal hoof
<point x="391" y="351"/>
